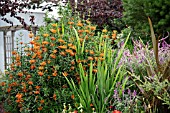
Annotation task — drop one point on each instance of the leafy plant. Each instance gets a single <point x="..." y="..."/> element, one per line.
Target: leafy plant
<point x="95" y="90"/>
<point x="154" y="84"/>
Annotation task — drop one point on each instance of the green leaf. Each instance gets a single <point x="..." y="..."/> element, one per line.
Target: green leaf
<point x="154" y="42"/>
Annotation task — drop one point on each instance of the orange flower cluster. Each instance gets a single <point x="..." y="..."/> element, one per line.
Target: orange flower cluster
<point x="19" y="98"/>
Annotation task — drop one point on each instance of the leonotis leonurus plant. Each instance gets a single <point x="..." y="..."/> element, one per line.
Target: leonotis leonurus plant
<point x="36" y="78"/>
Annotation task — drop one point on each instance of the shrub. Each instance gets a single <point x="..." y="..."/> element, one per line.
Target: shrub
<point x="102" y="12"/>
<point x="136" y="14"/>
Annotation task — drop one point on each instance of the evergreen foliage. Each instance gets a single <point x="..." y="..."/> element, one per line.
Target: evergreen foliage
<point x="136" y="13"/>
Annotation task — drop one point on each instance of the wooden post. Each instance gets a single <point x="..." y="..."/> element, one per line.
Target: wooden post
<point x="5" y="34"/>
<point x="13" y="34"/>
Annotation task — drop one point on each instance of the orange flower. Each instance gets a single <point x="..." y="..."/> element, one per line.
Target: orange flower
<point x="95" y="70"/>
<point x="72" y="62"/>
<point x="72" y="68"/>
<point x="52" y="56"/>
<point x="114" y="34"/>
<point x="61" y="40"/>
<point x="70" y="44"/>
<point x="90" y="58"/>
<point x="53" y="30"/>
<point x="62" y="53"/>
<point x="45" y="43"/>
<point x="92" y="34"/>
<point x="55" y="73"/>
<point x="54" y="96"/>
<point x="81" y="40"/>
<point x="9" y="90"/>
<point x="41" y="101"/>
<point x="14" y="84"/>
<point x="19" y="100"/>
<point x="32" y="67"/>
<point x="40" y="73"/>
<point x="30" y="82"/>
<point x="101" y="58"/>
<point x="87" y="31"/>
<point x="52" y="44"/>
<point x="91" y="52"/>
<point x="91" y="105"/>
<point x="104" y="30"/>
<point x="72" y="53"/>
<point x="79" y="31"/>
<point x="49" y="77"/>
<point x="41" y="68"/>
<point x="31" y="34"/>
<point x="34" y="56"/>
<point x="116" y="111"/>
<point x="19" y="96"/>
<point x="54" y="51"/>
<point x="62" y="47"/>
<point x="45" y="35"/>
<point x="53" y="38"/>
<point x="92" y="28"/>
<point x="94" y="64"/>
<point x="32" y="42"/>
<point x="37" y="92"/>
<point x="37" y="87"/>
<point x="105" y="36"/>
<point x="79" y="24"/>
<point x="14" y="52"/>
<point x="40" y="108"/>
<point x="37" y="38"/>
<point x="17" y="58"/>
<point x="65" y="74"/>
<point x="72" y="96"/>
<point x="54" y="25"/>
<point x="40" y="57"/>
<point x="78" y="61"/>
<point x="28" y="76"/>
<point x="39" y="52"/>
<point x="2" y="84"/>
<point x="32" y="61"/>
<point x="43" y="63"/>
<point x="44" y="49"/>
<point x="59" y="29"/>
<point x="73" y="47"/>
<point x="101" y="54"/>
<point x="24" y="90"/>
<point x="18" y="63"/>
<point x="70" y="23"/>
<point x="20" y="74"/>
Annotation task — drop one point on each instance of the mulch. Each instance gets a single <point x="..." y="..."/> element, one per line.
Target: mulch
<point x="1" y="108"/>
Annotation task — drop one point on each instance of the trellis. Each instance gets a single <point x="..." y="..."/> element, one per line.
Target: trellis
<point x="9" y="41"/>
